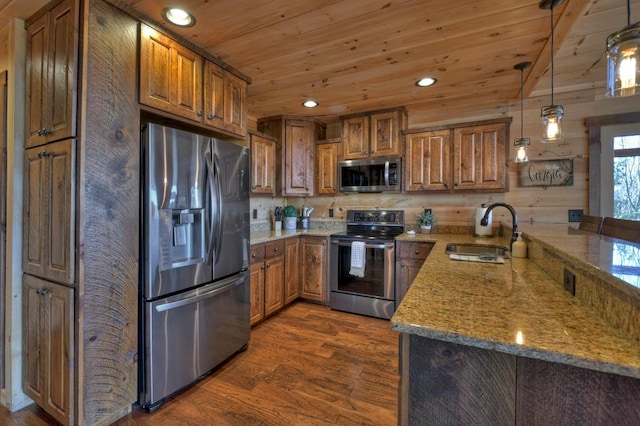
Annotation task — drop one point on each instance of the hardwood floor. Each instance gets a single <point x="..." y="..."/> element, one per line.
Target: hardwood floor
<point x="307" y="365"/>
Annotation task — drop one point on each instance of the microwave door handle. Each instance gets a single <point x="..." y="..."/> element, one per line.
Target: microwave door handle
<point x="210" y="188"/>
<point x="219" y="217"/>
<point x="386" y="173"/>
<point x="200" y="297"/>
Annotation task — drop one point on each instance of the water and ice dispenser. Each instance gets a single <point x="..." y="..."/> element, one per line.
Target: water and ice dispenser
<point x="182" y="237"/>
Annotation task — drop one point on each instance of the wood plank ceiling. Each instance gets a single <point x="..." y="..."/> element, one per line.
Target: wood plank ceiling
<point x="355" y="55"/>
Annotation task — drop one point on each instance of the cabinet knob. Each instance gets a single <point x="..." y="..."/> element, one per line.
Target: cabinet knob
<point x="209" y="116"/>
<point x="402" y="264"/>
<point x="42" y="291"/>
<point x="43" y="154"/>
<point x="455" y="184"/>
<point x="417" y="252"/>
<point x="200" y="113"/>
<point x="43" y="132"/>
<point x="275" y="249"/>
<point x="253" y="255"/>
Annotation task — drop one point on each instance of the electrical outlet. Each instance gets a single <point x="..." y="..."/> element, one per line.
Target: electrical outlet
<point x="255" y="213"/>
<point x="330" y="212"/>
<point x="569" y="282"/>
<point x="575" y="215"/>
<point x="428" y="211"/>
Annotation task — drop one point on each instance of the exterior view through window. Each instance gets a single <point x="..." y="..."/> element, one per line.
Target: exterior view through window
<point x="626" y="177"/>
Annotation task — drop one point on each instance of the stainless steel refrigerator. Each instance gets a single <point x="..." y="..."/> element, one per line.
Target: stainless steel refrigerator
<point x="195" y="279"/>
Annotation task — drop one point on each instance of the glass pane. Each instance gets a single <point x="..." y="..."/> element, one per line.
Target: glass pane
<point x="626" y="187"/>
<point x="626" y="142"/>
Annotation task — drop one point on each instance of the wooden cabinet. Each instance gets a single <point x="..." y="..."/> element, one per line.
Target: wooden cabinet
<point x="170" y="75"/>
<point x="48" y="347"/>
<point x="296" y="151"/>
<point x="51" y="75"/>
<point x="315" y="265"/>
<point x="327" y="168"/>
<point x="273" y="277"/>
<point x="410" y="257"/>
<point x="177" y="80"/>
<point x="479" y="157"/>
<point x="292" y="270"/>
<point x="373" y="134"/>
<point x="263" y="164"/>
<point x="256" y="282"/>
<point x="457" y="158"/>
<point x="428" y="163"/>
<point x="49" y="212"/>
<point x="224" y="100"/>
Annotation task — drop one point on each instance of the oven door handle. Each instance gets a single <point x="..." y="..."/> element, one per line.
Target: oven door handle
<point x="371" y="246"/>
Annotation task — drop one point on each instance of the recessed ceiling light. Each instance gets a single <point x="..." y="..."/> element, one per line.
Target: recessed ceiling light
<point x="178" y="17"/>
<point x="426" y="82"/>
<point x="310" y="103"/>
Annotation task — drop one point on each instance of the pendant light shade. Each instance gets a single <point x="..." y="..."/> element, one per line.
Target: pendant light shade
<point x="521" y="144"/>
<point x="551" y="115"/>
<point x="623" y="60"/>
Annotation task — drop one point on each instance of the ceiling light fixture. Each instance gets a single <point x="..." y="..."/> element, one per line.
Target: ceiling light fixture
<point x="552" y="114"/>
<point x="309" y="103"/>
<point x="623" y="60"/>
<point x="178" y="17"/>
<point x="521" y="143"/>
<point x="426" y="82"/>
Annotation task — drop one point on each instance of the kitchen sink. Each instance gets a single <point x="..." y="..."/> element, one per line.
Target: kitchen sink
<point x="477" y="252"/>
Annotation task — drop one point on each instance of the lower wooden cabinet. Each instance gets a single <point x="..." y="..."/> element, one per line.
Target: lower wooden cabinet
<point x="256" y="280"/>
<point x="273" y="277"/>
<point x="48" y="346"/>
<point x="315" y="267"/>
<point x="409" y="259"/>
<point x="292" y="270"/>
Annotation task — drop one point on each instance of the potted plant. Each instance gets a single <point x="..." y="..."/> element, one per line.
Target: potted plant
<point x="426" y="220"/>
<point x="290" y="217"/>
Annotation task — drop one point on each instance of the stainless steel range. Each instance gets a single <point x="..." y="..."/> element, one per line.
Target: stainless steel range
<point x="362" y="263"/>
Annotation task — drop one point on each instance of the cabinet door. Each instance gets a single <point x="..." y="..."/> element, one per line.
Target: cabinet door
<point x="479" y="157"/>
<point x="256" y="274"/>
<point x="170" y="75"/>
<point x="273" y="285"/>
<point x="406" y="271"/>
<point x="224" y="100"/>
<point x="355" y="137"/>
<point x="49" y="212"/>
<point x="385" y="135"/>
<point x="327" y="168"/>
<point x="299" y="153"/>
<point x="292" y="270"/>
<point x="235" y="102"/>
<point x="263" y="167"/>
<point x="314" y="277"/>
<point x="48" y="339"/>
<point x="428" y="161"/>
<point x="51" y="75"/>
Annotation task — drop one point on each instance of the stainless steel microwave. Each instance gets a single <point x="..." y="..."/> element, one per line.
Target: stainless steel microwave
<point x="370" y="175"/>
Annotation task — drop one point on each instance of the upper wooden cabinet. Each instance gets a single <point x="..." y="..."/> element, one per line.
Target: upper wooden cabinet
<point x="295" y="154"/>
<point x="51" y="75"/>
<point x="373" y="134"/>
<point x="48" y="242"/>
<point x="177" y="80"/>
<point x="327" y="168"/>
<point x="458" y="158"/>
<point x="427" y="161"/>
<point x="479" y="157"/>
<point x="263" y="164"/>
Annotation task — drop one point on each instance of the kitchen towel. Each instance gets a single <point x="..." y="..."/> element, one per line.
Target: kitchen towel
<point x="358" y="261"/>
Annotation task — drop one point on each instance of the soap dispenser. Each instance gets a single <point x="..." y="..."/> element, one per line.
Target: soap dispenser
<point x="519" y="247"/>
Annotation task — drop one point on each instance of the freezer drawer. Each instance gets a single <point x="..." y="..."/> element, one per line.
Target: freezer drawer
<point x="189" y="334"/>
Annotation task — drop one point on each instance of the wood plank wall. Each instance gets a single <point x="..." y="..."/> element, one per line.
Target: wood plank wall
<point x="534" y="204"/>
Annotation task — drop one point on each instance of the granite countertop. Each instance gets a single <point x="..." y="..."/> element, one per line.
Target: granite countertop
<point x="515" y="307"/>
<point x="266" y="236"/>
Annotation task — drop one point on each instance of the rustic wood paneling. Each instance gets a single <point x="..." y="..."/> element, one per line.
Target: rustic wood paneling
<point x="109" y="166"/>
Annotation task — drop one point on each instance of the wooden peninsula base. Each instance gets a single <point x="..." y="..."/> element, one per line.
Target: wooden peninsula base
<point x="444" y="383"/>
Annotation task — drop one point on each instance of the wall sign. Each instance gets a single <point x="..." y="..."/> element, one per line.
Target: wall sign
<point x="546" y="173"/>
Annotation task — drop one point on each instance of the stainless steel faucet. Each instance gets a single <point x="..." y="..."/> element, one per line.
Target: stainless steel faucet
<point x="485" y="220"/>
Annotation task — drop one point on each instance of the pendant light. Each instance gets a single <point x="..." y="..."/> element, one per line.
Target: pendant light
<point x="521" y="143"/>
<point x="623" y="60"/>
<point x="552" y="114"/>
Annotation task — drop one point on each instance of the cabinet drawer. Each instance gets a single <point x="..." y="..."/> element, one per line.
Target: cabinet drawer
<point x="273" y="249"/>
<point x="257" y="253"/>
<point x="414" y="250"/>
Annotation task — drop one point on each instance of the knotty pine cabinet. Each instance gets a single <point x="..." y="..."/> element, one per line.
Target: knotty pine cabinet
<point x="51" y="74"/>
<point x="263" y="164"/>
<point x="48" y="346"/>
<point x="315" y="268"/>
<point x="292" y="270"/>
<point x="267" y="279"/>
<point x="373" y="134"/>
<point x="295" y="154"/>
<point x="457" y="158"/>
<point x="409" y="259"/>
<point x="177" y="80"/>
<point x="256" y="283"/>
<point x="49" y="212"/>
<point x="327" y="155"/>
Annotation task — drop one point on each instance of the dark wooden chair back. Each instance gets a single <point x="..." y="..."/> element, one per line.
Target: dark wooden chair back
<point x="591" y="223"/>
<point x="621" y="228"/>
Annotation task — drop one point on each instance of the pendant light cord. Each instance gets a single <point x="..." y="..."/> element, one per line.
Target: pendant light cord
<point x="552" y="53"/>
<point x="521" y="103"/>
<point x="628" y="13"/>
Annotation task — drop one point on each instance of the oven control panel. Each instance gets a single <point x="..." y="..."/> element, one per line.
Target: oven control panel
<point x="375" y="217"/>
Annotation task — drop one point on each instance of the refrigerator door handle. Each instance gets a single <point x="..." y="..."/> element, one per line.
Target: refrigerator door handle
<point x="209" y="294"/>
<point x="211" y="189"/>
<point x="219" y="218"/>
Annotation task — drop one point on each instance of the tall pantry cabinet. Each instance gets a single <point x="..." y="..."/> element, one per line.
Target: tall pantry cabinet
<point x="81" y="209"/>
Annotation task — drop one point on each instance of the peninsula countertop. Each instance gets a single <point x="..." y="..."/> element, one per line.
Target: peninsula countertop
<point x="514" y="307"/>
